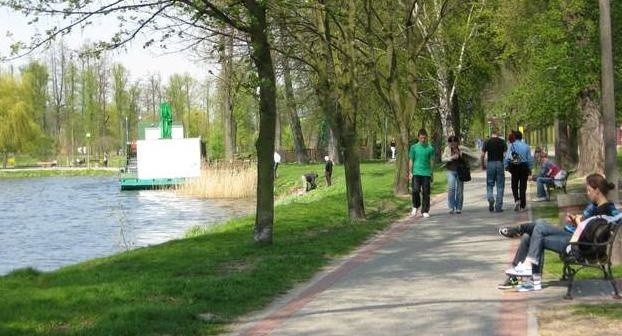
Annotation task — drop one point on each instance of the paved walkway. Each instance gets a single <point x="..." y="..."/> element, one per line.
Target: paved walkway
<point x="434" y="276"/>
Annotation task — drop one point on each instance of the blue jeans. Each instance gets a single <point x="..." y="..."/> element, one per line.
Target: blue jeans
<point x="455" y="189"/>
<point x="495" y="175"/>
<point x="536" y="237"/>
<point x="541" y="183"/>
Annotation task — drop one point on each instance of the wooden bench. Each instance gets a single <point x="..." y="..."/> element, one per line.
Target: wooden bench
<point x="602" y="261"/>
<point x="557" y="185"/>
<point x="47" y="164"/>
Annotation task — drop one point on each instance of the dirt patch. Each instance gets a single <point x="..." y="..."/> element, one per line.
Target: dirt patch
<point x="564" y="321"/>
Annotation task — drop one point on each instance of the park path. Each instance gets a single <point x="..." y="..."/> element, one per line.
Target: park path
<point x="434" y="276"/>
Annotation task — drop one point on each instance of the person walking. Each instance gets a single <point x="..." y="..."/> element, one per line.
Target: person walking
<point x="455" y="154"/>
<point x="328" y="170"/>
<point x="519" y="163"/>
<point x="393" y="148"/>
<point x="493" y="151"/>
<point x="277" y="160"/>
<point x="420" y="163"/>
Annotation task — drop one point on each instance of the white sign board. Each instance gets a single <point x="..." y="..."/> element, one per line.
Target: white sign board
<point x="169" y="158"/>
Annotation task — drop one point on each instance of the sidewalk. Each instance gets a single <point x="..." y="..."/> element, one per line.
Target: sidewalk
<point x="434" y="276"/>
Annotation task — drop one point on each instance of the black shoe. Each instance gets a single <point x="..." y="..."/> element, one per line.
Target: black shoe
<point x="516" y="206"/>
<point x="491" y="205"/>
<point x="510" y="231"/>
<point x="498" y="210"/>
<point x="509" y="283"/>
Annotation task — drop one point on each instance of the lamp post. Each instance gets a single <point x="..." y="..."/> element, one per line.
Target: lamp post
<point x="88" y="150"/>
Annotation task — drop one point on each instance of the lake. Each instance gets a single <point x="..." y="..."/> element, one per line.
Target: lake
<point x="47" y="223"/>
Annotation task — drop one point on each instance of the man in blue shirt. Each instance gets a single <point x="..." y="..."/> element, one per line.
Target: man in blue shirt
<point x="519" y="162"/>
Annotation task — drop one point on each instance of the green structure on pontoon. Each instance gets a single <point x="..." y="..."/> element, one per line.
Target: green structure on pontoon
<point x="161" y="157"/>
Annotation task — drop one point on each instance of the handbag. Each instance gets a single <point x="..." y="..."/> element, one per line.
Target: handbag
<point x="463" y="170"/>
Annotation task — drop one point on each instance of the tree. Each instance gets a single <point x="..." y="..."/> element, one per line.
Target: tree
<point x="608" y="98"/>
<point x="18" y="127"/>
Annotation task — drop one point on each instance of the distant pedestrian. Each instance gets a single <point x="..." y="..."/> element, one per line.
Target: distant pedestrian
<point x="105" y="159"/>
<point x="519" y="163"/>
<point x="493" y="151"/>
<point x="393" y="148"/>
<point x="328" y="170"/>
<point x="309" y="181"/>
<point x="420" y="164"/>
<point x="277" y="160"/>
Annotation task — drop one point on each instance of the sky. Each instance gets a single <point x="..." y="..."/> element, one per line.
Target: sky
<point x="140" y="62"/>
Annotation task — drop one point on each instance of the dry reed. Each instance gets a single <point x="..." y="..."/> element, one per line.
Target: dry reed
<point x="218" y="181"/>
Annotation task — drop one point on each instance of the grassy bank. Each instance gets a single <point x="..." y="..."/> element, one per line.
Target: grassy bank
<point x="47" y="172"/>
<point x="162" y="290"/>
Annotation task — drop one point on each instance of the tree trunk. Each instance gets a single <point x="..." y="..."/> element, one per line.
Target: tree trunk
<point x="591" y="154"/>
<point x="608" y="98"/>
<point x="260" y="52"/>
<point x="226" y="81"/>
<point x="294" y="120"/>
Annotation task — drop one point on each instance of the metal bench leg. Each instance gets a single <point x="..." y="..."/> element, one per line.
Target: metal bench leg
<point x="568" y="274"/>
<point x="609" y="276"/>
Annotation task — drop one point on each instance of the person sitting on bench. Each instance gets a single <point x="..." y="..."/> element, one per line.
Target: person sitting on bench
<point x="548" y="170"/>
<point x="539" y="235"/>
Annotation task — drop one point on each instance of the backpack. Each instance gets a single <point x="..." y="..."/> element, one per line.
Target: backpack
<point x="597" y="230"/>
<point x="559" y="178"/>
<point x="515" y="159"/>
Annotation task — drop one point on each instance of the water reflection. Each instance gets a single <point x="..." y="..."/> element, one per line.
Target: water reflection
<point x="47" y="223"/>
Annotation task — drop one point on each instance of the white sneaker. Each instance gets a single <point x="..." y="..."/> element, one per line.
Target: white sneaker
<point x="539" y="199"/>
<point x="426" y="215"/>
<point x="413" y="212"/>
<point x="529" y="286"/>
<point x="520" y="270"/>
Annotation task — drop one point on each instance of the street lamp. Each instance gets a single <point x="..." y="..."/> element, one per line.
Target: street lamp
<point x="88" y="150"/>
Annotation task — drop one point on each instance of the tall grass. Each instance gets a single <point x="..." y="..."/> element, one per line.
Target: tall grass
<point x="222" y="182"/>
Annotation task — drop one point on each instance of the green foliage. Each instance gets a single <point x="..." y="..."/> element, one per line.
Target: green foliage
<point x="553" y="49"/>
<point x="18" y="126"/>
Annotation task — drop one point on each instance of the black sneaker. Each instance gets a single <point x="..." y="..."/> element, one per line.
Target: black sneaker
<point x="509" y="283"/>
<point x="491" y="205"/>
<point x="516" y="206"/>
<point x="510" y="231"/>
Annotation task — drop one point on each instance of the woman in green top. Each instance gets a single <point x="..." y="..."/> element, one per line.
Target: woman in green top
<point x="421" y="156"/>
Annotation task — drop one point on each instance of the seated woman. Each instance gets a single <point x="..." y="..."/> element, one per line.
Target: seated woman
<point x="540" y="235"/>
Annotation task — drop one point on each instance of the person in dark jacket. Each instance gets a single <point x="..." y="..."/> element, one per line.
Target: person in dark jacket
<point x="309" y="181"/>
<point x="328" y="170"/>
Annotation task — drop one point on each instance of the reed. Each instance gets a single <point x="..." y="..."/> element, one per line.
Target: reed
<point x="222" y="181"/>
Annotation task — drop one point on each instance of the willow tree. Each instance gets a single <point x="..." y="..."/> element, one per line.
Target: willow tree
<point x="191" y="21"/>
<point x="19" y="124"/>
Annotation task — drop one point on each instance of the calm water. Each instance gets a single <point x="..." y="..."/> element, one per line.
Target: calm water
<point x="47" y="223"/>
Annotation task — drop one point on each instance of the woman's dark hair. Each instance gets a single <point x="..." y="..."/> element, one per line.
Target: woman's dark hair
<point x="512" y="137"/>
<point x="599" y="182"/>
<point x="518" y="135"/>
<point x="422" y="132"/>
<point x="452" y="138"/>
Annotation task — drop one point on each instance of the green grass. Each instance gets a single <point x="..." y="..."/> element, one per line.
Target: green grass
<point x="161" y="290"/>
<point x="27" y="173"/>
